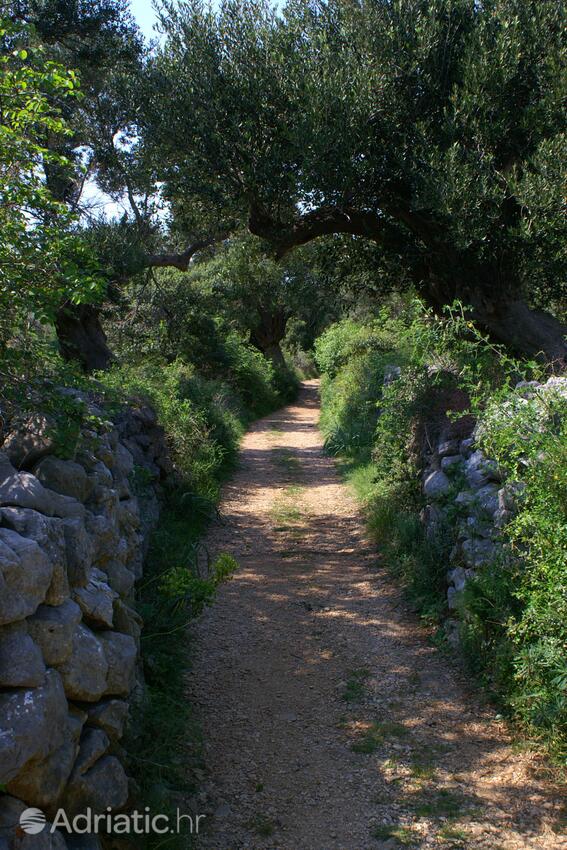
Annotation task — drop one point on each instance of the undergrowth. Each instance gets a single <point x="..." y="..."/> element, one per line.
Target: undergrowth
<point x="164" y="738"/>
<point x="513" y="615"/>
<point x="204" y="417"/>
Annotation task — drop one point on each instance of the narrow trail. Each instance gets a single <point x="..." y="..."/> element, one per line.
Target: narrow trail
<point x="329" y="722"/>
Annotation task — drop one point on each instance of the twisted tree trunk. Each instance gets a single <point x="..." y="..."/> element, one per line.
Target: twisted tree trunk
<point x="445" y="274"/>
<point x="269" y="333"/>
<point x="81" y="336"/>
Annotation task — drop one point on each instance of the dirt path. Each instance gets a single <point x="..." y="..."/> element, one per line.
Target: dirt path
<point x="330" y="723"/>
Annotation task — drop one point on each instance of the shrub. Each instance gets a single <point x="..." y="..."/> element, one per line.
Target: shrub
<point x="514" y="613"/>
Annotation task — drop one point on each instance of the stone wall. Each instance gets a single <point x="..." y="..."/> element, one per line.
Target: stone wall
<point x="469" y="497"/>
<point x="73" y="536"/>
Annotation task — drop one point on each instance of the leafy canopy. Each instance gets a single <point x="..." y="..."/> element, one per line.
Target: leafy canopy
<point x="434" y="126"/>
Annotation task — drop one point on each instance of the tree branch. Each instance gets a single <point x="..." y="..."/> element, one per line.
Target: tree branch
<point x="181" y="260"/>
<point x="312" y="225"/>
<point x="377" y="226"/>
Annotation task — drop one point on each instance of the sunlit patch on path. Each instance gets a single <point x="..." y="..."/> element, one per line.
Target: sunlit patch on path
<point x="329" y="721"/>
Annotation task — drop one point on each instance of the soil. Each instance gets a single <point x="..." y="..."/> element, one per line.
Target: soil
<point x="330" y="720"/>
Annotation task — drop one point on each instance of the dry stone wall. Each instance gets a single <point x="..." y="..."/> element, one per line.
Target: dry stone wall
<point x="73" y="537"/>
<point x="467" y="493"/>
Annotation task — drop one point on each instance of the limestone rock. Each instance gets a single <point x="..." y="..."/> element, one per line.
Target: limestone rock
<point x="43" y="780"/>
<point x="94" y="744"/>
<point x="101" y="475"/>
<point x="25" y="576"/>
<point x="475" y="527"/>
<point x="120" y="652"/>
<point x="96" y="599"/>
<point x="120" y="578"/>
<point x="21" y="663"/>
<point x="432" y="517"/>
<point x="391" y="373"/>
<point x="23" y="490"/>
<point x="124" y="460"/>
<point x="451" y="628"/>
<point x="104" y="785"/>
<point x="53" y="628"/>
<point x="448" y="447"/>
<point x="129" y="513"/>
<point x="436" y="484"/>
<point x="49" y="535"/>
<point x="33" y="723"/>
<point x="30" y="439"/>
<point x="65" y="477"/>
<point x="10" y="811"/>
<point x="478" y="553"/>
<point x="452" y="598"/>
<point x="85" y="672"/>
<point x="450" y="462"/>
<point x="458" y="577"/>
<point x="80" y="550"/>
<point x="85" y="457"/>
<point x="105" y="537"/>
<point x="105" y="452"/>
<point x="127" y="620"/>
<point x="502" y="517"/>
<point x="479" y="470"/>
<point x="466" y="446"/>
<point x="487" y="498"/>
<point x="510" y="496"/>
<point x="465" y="498"/>
<point x="110" y="716"/>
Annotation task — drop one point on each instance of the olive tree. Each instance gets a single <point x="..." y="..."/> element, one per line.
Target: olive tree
<point x="433" y="128"/>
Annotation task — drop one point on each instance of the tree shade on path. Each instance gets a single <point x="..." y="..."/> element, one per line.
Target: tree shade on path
<point x="330" y="722"/>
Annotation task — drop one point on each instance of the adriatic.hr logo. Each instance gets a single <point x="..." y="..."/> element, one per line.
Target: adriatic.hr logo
<point x="33" y="821"/>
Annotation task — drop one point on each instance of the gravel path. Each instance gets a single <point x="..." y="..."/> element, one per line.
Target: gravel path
<point x="329" y="722"/>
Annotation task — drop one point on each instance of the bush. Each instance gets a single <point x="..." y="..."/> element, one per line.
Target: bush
<point x="352" y="358"/>
<point x="514" y="613"/>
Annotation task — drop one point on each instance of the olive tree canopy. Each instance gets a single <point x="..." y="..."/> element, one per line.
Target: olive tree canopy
<point x="433" y="128"/>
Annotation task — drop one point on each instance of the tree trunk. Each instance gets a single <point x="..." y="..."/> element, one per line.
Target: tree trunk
<point x="81" y="336"/>
<point x="444" y="274"/>
<point x="275" y="354"/>
<point x="268" y="334"/>
<point x="531" y="332"/>
<point x="506" y="318"/>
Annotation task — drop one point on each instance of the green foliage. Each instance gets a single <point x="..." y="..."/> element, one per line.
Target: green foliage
<point x="513" y="613"/>
<point x="204" y="418"/>
<point x="43" y="258"/>
<point x="186" y="316"/>
<point x="516" y="613"/>
<point x="439" y="121"/>
<point x="352" y="358"/>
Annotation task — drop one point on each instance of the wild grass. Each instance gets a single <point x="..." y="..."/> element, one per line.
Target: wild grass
<point x="404" y="836"/>
<point x="355" y="687"/>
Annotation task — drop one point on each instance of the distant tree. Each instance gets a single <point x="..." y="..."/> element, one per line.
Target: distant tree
<point x="433" y="128"/>
<point x="257" y="295"/>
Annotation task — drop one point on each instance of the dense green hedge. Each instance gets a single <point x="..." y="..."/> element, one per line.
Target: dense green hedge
<point x="514" y="616"/>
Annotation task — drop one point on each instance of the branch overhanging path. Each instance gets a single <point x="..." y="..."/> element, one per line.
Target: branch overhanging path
<point x="330" y="722"/>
